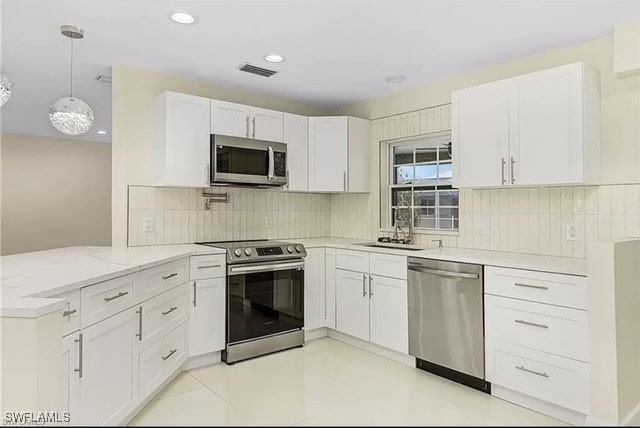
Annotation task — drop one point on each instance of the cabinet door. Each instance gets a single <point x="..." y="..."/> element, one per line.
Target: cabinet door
<point x="352" y="304"/>
<point x="314" y="289"/>
<point x="480" y="136"/>
<point x="267" y="125"/>
<point x="182" y="140"/>
<point x="207" y="316"/>
<point x="389" y="318"/>
<point x="328" y="154"/>
<point x="70" y="378"/>
<point x="359" y="174"/>
<point x="296" y="136"/>
<point x="547" y="141"/>
<point x="108" y="389"/>
<point x="330" y="287"/>
<point x="230" y="119"/>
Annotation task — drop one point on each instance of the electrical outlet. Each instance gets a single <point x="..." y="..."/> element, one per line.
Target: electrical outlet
<point x="147" y="223"/>
<point x="481" y="225"/>
<point x="572" y="232"/>
<point x="268" y="222"/>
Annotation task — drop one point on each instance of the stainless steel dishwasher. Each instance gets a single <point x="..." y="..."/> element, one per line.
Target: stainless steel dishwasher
<point x="446" y="321"/>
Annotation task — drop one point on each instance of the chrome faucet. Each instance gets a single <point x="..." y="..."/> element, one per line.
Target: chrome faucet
<point x="407" y="237"/>
<point x="439" y="241"/>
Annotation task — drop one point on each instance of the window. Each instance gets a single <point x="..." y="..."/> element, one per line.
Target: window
<point x="420" y="174"/>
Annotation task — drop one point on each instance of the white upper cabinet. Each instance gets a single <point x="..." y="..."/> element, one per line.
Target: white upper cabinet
<point x="339" y="154"/>
<point x="296" y="136"/>
<point x="239" y="120"/>
<point x="544" y="125"/>
<point x="181" y="140"/>
<point x="230" y="119"/>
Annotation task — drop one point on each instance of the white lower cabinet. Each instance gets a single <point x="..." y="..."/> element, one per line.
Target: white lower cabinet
<point x="352" y="304"/>
<point x="70" y="378"/>
<point x="207" y="316"/>
<point x="314" y="289"/>
<point x="388" y="317"/>
<point x="163" y="313"/>
<point x="330" y="287"/>
<point x="108" y="377"/>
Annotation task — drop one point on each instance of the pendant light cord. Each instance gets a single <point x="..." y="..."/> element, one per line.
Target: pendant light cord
<point x="71" y="69"/>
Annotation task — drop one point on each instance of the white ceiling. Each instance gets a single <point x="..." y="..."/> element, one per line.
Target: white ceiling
<point x="338" y="51"/>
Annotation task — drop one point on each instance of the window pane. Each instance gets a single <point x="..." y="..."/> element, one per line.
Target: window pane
<point x="403" y="216"/>
<point x="447" y="216"/>
<point x="445" y="151"/>
<point x="401" y="197"/>
<point x="403" y="174"/>
<point x="424" y="198"/>
<point x="426" y="154"/>
<point x="402" y="155"/>
<point x="446" y="172"/>
<point x="425" y="217"/>
<point x="426" y="173"/>
<point x="448" y="198"/>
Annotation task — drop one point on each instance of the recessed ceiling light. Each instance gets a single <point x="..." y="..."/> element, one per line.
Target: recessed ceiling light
<point x="273" y="58"/>
<point x="183" y="18"/>
<point x="396" y="78"/>
<point x="101" y="132"/>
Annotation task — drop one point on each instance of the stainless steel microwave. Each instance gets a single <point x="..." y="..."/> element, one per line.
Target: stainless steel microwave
<point x="245" y="161"/>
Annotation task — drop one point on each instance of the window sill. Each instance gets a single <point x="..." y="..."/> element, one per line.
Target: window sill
<point x="425" y="231"/>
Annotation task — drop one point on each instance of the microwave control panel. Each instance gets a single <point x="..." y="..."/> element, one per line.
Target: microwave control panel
<point x="280" y="164"/>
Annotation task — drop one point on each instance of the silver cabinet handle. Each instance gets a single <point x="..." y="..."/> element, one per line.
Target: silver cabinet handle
<point x="207" y="179"/>
<point x="539" y="287"/>
<point x="254" y="127"/>
<point x="139" y="312"/>
<point x="344" y="181"/>
<point x="195" y="294"/>
<point x="364" y="285"/>
<point x="247" y="126"/>
<point x="209" y="266"/>
<point x="513" y="178"/>
<point x="117" y="296"/>
<point x="503" y="164"/>
<point x="170" y="276"/>
<point x="67" y="313"/>
<point x="173" y="308"/>
<point x="524" y="369"/>
<point x="370" y="286"/>
<point x="444" y="272"/>
<point x="166" y="357"/>
<point x="79" y="341"/>
<point x="531" y="323"/>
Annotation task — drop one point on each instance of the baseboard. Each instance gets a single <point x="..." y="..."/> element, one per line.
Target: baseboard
<point x="633" y="418"/>
<point x="316" y="333"/>
<point x="539" y="406"/>
<point x="593" y="422"/>
<point x="202" y="360"/>
<point x="373" y="348"/>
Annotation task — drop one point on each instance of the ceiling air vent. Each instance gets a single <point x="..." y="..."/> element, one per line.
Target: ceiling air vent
<point x="264" y="72"/>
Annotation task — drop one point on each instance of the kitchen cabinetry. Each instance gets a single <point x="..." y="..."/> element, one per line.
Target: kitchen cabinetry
<point x="70" y="379"/>
<point x="207" y="305"/>
<point x="181" y="140"/>
<point x="369" y="306"/>
<point x="296" y="136"/>
<point x="339" y="154"/>
<point x="319" y="288"/>
<point x="239" y="120"/>
<point x="540" y="128"/>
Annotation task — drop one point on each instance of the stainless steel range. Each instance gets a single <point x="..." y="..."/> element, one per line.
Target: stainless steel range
<point x="265" y="297"/>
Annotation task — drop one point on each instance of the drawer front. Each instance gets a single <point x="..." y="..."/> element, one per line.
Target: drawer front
<point x="357" y="261"/>
<point x="162" y="359"/>
<point x="211" y="266"/>
<point x="554" y="329"/>
<point x="164" y="277"/>
<point x="107" y="298"/>
<point x="163" y="313"/>
<point x="388" y="265"/>
<point x="554" y="379"/>
<point x="71" y="314"/>
<point x="542" y="287"/>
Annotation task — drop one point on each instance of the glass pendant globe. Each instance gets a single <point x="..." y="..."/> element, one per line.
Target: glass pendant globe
<point x="5" y="89"/>
<point x="71" y="116"/>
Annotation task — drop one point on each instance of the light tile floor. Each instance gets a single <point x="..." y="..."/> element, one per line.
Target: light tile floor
<point x="325" y="383"/>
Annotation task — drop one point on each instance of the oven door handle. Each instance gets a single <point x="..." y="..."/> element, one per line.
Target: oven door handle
<point x="264" y="267"/>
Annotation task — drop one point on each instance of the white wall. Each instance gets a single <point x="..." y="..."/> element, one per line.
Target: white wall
<point x="55" y="193"/>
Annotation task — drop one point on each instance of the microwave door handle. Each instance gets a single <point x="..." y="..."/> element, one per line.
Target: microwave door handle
<point x="270" y="174"/>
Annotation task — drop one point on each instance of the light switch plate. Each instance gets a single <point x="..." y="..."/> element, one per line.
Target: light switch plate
<point x="147" y="223"/>
<point x="572" y="232"/>
<point x="481" y="225"/>
<point x="268" y="222"/>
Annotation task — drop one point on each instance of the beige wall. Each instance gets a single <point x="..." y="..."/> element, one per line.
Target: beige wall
<point x="55" y="193"/>
<point x="133" y="93"/>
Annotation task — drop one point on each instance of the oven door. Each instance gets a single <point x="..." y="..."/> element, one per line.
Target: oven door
<point x="264" y="299"/>
<point x="246" y="161"/>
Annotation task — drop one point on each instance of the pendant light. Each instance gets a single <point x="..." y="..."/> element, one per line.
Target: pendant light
<point x="5" y="89"/>
<point x="70" y="115"/>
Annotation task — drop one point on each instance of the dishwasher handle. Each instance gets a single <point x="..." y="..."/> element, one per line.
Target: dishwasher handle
<point x="439" y="272"/>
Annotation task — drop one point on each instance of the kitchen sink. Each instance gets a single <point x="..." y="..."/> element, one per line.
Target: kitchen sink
<point x="408" y="247"/>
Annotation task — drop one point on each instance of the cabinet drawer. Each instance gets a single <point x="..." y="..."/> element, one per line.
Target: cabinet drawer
<point x="162" y="359"/>
<point x="388" y="265"/>
<point x="211" y="266"/>
<point x="542" y="287"/>
<point x="107" y="298"/>
<point x="558" y="380"/>
<point x="547" y="328"/>
<point x="164" y="277"/>
<point x="163" y="313"/>
<point x="71" y="314"/>
<point x="352" y="260"/>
